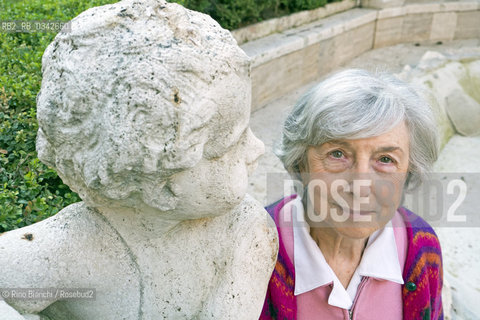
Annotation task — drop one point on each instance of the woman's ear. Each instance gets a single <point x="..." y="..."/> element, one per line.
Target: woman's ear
<point x="303" y="172"/>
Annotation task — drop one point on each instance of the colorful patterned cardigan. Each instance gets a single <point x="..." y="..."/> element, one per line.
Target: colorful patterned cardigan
<point x="422" y="274"/>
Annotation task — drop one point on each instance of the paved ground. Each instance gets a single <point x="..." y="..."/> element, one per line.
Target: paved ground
<point x="461" y="155"/>
<point x="461" y="245"/>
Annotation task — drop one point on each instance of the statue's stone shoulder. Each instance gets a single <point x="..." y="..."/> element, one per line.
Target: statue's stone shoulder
<point x="253" y="239"/>
<point x="63" y="236"/>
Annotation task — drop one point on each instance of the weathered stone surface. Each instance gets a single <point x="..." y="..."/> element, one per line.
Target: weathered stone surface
<point x="443" y="26"/>
<point x="388" y="32"/>
<point x="471" y="82"/>
<point x="431" y="61"/>
<point x="141" y="90"/>
<point x="303" y="66"/>
<point x="416" y="27"/>
<point x="326" y="56"/>
<point x="464" y="112"/>
<point x="417" y="21"/>
<point x="332" y="43"/>
<point x="144" y="111"/>
<point x="284" y="74"/>
<point x="380" y="4"/>
<point x="461" y="254"/>
<point x="468" y="25"/>
<point x="267" y="27"/>
<point x="277" y="45"/>
<point x="452" y="160"/>
<point x="452" y="88"/>
<point x="8" y="313"/>
<point x="352" y="43"/>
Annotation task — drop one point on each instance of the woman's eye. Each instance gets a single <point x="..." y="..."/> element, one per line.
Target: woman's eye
<point x="385" y="159"/>
<point x="337" y="154"/>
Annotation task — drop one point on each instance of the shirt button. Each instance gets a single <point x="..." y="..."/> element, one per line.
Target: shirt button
<point x="411" y="286"/>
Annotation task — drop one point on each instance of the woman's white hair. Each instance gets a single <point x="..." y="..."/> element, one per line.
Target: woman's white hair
<point x="354" y="104"/>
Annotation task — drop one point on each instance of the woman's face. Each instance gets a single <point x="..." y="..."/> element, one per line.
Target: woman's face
<point x="355" y="186"/>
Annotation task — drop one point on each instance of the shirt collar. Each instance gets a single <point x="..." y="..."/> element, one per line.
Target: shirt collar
<point x="379" y="260"/>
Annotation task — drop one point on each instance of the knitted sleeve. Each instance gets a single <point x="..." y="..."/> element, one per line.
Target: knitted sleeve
<point x="423" y="271"/>
<point x="280" y="302"/>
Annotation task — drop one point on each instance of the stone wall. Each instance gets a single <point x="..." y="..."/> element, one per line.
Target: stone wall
<point x="265" y="28"/>
<point x="430" y="21"/>
<point x="284" y="61"/>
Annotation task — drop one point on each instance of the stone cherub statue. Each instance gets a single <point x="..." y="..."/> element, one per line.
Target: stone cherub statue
<point x="144" y="111"/>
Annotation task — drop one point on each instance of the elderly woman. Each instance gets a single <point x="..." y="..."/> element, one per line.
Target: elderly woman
<point x="347" y="249"/>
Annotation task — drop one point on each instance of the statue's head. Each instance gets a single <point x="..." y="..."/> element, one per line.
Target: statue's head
<point x="146" y="105"/>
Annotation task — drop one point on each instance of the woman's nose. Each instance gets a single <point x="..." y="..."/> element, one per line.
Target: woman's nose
<point x="361" y="178"/>
<point x="362" y="165"/>
<point x="362" y="187"/>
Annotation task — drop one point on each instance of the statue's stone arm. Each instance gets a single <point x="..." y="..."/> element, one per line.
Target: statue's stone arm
<point x="8" y="313"/>
<point x="242" y="289"/>
<point x="29" y="260"/>
<point x="73" y="249"/>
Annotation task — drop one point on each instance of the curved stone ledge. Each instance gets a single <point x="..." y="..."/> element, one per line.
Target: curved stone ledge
<point x="284" y="61"/>
<point x="265" y="28"/>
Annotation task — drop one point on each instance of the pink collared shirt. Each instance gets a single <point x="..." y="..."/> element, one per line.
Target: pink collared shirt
<point x="373" y="293"/>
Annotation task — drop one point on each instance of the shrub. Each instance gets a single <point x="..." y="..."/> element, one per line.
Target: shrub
<point x="235" y="14"/>
<point x="29" y="190"/>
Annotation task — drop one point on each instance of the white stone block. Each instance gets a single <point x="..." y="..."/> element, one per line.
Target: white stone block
<point x="335" y="7"/>
<point x="272" y="47"/>
<point x="422" y="8"/>
<point x="443" y="26"/>
<point x="382" y="4"/>
<point x="270" y="26"/>
<point x="391" y="12"/>
<point x="388" y="31"/>
<point x="459" y="6"/>
<point x="464" y="112"/>
<point x="8" y="313"/>
<point x="416" y="27"/>
<point x="468" y="25"/>
<point x="365" y="18"/>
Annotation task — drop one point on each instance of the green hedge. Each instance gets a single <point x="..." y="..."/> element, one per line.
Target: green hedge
<point x="29" y="190"/>
<point x="233" y="14"/>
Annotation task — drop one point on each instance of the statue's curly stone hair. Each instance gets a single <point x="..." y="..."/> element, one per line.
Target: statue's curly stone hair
<point x="125" y="100"/>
